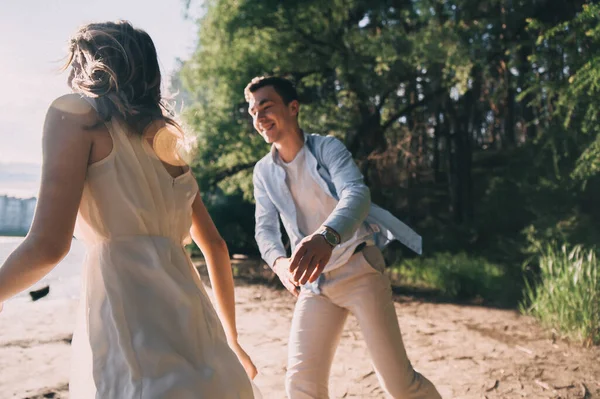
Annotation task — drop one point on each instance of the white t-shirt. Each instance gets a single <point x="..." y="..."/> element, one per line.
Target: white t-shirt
<point x="314" y="205"/>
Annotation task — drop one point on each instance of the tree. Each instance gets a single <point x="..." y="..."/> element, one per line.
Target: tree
<point x="434" y="98"/>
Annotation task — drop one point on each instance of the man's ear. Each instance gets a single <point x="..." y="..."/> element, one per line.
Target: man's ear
<point x="294" y="107"/>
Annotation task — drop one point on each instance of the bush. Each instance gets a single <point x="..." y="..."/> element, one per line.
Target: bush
<point x="234" y="219"/>
<point x="460" y="276"/>
<point x="566" y="294"/>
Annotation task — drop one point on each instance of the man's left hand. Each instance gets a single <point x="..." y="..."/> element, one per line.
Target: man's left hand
<point x="309" y="258"/>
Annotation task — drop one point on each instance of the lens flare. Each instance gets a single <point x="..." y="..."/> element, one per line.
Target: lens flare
<point x="172" y="146"/>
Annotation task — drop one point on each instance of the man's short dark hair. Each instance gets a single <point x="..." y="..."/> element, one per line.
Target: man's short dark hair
<point x="283" y="87"/>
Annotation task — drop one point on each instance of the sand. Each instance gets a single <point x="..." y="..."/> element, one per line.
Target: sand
<point x="467" y="351"/>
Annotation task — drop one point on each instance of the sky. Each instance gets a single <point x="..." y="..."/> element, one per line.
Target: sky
<point x="33" y="42"/>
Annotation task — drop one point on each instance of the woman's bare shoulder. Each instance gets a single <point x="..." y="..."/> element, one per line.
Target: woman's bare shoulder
<point x="74" y="111"/>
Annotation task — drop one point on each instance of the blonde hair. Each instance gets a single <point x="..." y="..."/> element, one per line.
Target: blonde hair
<point x="117" y="65"/>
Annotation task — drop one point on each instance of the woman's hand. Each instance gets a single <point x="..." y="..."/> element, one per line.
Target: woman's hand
<point x="245" y="360"/>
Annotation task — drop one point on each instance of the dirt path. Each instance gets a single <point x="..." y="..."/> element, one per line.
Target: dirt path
<point x="468" y="352"/>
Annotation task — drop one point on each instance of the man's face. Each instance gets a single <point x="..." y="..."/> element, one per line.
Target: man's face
<point x="270" y="116"/>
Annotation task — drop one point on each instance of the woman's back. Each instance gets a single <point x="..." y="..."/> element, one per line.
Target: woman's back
<point x="146" y="327"/>
<point x="131" y="193"/>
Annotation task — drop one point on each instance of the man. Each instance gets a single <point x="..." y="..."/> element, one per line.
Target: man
<point x="312" y="183"/>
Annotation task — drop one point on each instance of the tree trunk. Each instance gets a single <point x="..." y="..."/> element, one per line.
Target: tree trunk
<point x="436" y="147"/>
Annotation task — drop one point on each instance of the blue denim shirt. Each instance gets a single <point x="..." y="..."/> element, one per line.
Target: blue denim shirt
<point x="331" y="165"/>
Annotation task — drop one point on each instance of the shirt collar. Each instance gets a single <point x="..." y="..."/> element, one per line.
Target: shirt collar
<point x="275" y="154"/>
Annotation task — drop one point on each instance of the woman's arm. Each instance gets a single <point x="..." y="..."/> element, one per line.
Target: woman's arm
<point x="213" y="247"/>
<point x="66" y="148"/>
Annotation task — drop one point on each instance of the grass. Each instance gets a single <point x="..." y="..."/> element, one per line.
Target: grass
<point x="566" y="295"/>
<point x="461" y="277"/>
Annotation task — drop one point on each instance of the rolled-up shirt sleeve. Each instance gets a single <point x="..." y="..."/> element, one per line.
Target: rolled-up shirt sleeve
<point x="354" y="196"/>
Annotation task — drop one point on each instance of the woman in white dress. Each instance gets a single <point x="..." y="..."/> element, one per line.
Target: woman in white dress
<point x="147" y="328"/>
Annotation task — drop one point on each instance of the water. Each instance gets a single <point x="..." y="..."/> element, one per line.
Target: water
<point x="64" y="280"/>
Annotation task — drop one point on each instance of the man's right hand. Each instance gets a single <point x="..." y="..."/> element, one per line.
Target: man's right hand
<point x="282" y="269"/>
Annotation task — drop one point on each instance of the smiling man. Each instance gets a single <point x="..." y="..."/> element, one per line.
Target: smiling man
<point x="312" y="183"/>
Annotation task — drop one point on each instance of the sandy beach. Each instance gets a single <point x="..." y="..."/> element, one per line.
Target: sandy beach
<point x="467" y="351"/>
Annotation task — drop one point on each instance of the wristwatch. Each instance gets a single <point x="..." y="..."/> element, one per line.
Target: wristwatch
<point x="331" y="236"/>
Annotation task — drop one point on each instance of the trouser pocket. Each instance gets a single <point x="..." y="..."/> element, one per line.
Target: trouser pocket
<point x="374" y="258"/>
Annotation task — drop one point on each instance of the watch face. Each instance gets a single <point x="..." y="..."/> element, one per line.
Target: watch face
<point x="331" y="238"/>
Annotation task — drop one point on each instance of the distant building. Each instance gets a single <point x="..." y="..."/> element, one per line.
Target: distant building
<point x="16" y="215"/>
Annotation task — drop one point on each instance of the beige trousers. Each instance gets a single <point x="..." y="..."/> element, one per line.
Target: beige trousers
<point x="359" y="287"/>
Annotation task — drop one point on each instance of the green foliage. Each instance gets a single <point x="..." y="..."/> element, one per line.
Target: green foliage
<point x="460" y="276"/>
<point x="234" y="218"/>
<point x="524" y="196"/>
<point x="350" y="59"/>
<point x="570" y="96"/>
<point x="566" y="295"/>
